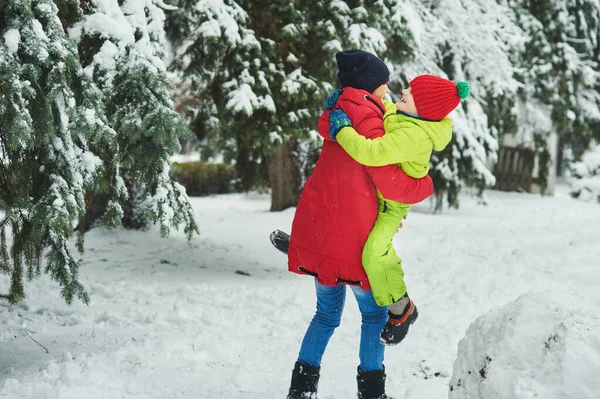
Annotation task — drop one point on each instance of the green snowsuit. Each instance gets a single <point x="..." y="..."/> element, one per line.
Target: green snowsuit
<point x="408" y="141"/>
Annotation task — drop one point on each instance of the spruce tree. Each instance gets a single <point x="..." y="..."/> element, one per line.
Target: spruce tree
<point x="56" y="146"/>
<point x="124" y="59"/>
<point x="74" y="120"/>
<point x="261" y="71"/>
<point x="565" y="65"/>
<point x="229" y="71"/>
<point x="467" y="42"/>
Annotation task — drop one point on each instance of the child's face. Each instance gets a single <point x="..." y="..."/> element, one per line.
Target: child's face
<point x="381" y="91"/>
<point x="407" y="103"/>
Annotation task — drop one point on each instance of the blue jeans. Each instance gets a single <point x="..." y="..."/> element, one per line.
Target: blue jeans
<point x="330" y="305"/>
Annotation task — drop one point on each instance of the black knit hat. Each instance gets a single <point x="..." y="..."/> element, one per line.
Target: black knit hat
<point x="361" y="70"/>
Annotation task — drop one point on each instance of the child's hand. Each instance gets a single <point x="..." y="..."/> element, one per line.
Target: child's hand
<point x="333" y="97"/>
<point x="401" y="225"/>
<point x="337" y="120"/>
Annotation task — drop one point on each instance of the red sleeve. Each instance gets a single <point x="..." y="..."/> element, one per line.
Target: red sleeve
<point x="394" y="184"/>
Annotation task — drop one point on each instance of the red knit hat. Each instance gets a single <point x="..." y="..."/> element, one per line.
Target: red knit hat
<point x="436" y="97"/>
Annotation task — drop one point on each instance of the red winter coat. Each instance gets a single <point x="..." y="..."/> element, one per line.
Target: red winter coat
<point x="338" y="206"/>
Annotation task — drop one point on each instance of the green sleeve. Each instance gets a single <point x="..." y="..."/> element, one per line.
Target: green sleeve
<point x="401" y="144"/>
<point x="390" y="108"/>
<point x="439" y="134"/>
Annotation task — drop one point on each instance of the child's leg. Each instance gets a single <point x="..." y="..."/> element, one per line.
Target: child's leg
<point x="381" y="263"/>
<point x="330" y="305"/>
<point x="374" y="318"/>
<point x="398" y="307"/>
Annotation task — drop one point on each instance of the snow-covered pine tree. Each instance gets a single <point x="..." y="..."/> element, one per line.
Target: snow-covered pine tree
<point x="121" y="43"/>
<point x="219" y="58"/>
<point x="471" y="41"/>
<point x="320" y="30"/>
<point x="229" y="71"/>
<point x="572" y="31"/>
<point x="261" y="71"/>
<point x="55" y="145"/>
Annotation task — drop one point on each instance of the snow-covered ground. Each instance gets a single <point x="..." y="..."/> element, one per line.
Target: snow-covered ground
<point x="220" y="317"/>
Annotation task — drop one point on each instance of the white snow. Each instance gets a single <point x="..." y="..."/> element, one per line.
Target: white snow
<point x="295" y="81"/>
<point x="242" y="100"/>
<point x="12" y="38"/>
<point x="543" y="345"/>
<point x="38" y="30"/>
<point x="90" y="161"/>
<point x="291" y="58"/>
<point x="592" y="160"/>
<point x="587" y="186"/>
<point x="172" y="319"/>
<point x="190" y="157"/>
<point x="363" y="37"/>
<point x="223" y="20"/>
<point x="108" y="21"/>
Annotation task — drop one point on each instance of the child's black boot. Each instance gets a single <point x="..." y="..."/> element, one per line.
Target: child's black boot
<point x="305" y="380"/>
<point x="396" y="328"/>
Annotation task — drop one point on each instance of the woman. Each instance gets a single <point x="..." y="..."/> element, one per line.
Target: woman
<point x="335" y="214"/>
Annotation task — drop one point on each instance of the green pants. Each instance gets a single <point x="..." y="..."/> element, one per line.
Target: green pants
<point x="379" y="258"/>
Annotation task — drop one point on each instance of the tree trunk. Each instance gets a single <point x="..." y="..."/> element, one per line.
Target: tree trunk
<point x="131" y="220"/>
<point x="284" y="176"/>
<point x="95" y="208"/>
<point x="245" y="166"/>
<point x="560" y="156"/>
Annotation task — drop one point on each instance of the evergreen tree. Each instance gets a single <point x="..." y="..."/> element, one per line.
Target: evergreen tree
<point x="56" y="146"/>
<point x="262" y="70"/>
<point x="124" y="57"/>
<point x="224" y="63"/>
<point x="570" y="67"/>
<point x="449" y="42"/>
<point x="60" y="152"/>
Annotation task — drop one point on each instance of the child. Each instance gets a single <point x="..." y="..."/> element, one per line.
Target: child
<point x="411" y="134"/>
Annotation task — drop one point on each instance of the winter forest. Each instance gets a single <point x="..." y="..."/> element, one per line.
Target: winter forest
<point x="149" y="147"/>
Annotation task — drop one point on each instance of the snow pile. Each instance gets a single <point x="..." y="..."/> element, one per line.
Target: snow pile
<point x="587" y="185"/>
<point x="544" y="345"/>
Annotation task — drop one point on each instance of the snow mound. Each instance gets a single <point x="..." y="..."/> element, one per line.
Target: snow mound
<point x="542" y="345"/>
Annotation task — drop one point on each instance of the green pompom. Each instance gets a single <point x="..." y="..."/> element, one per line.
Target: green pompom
<point x="463" y="90"/>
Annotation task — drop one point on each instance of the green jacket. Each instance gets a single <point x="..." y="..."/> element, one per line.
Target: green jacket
<point x="408" y="141"/>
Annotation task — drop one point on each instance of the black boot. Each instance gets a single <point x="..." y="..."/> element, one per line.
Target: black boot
<point x="396" y="328"/>
<point x="280" y="240"/>
<point x="305" y="380"/>
<point x="371" y="384"/>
